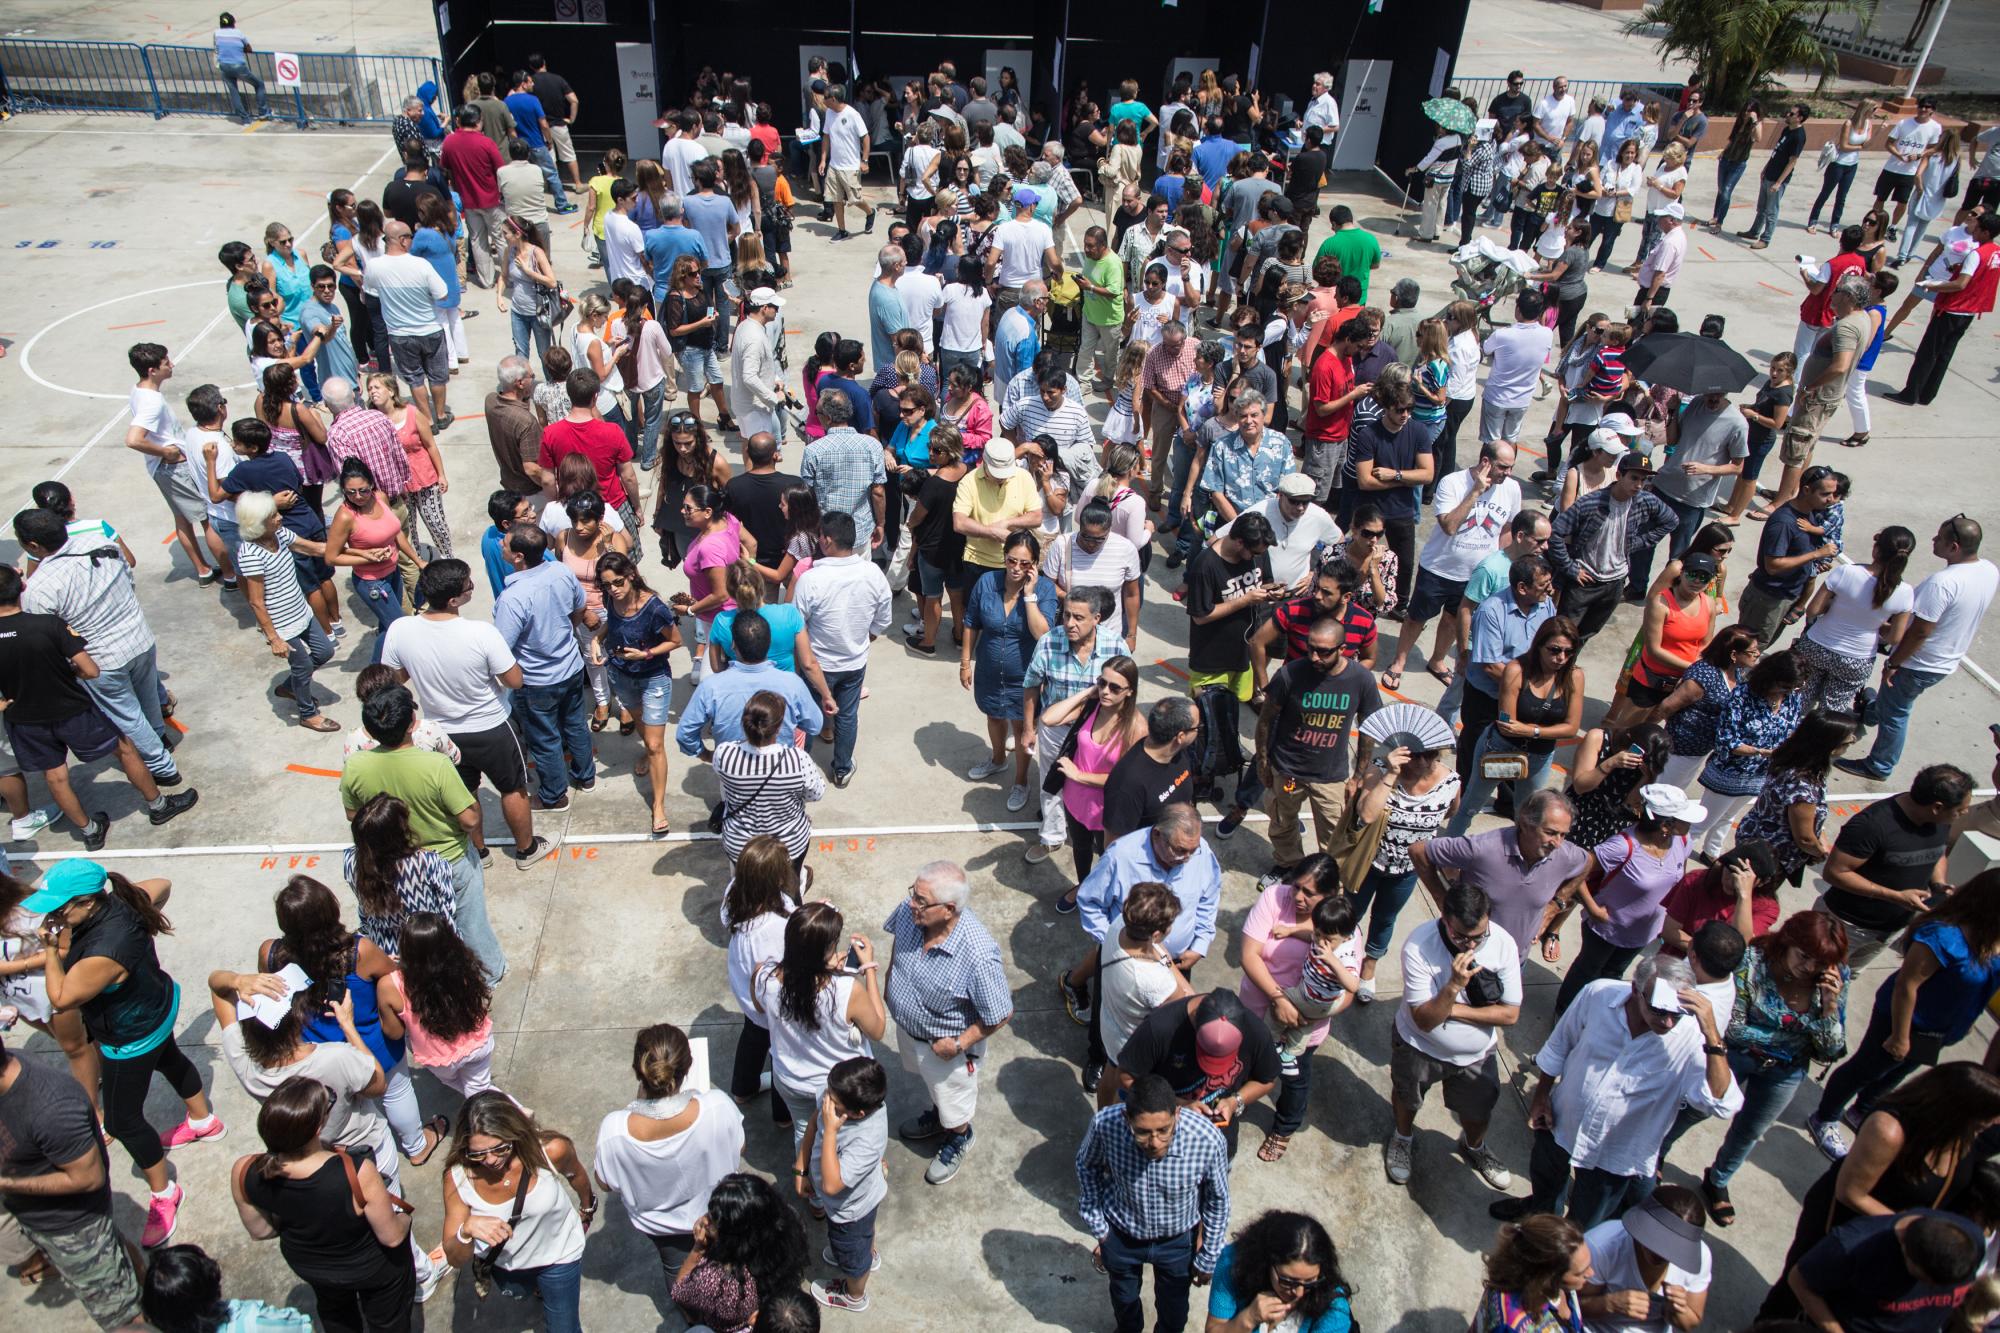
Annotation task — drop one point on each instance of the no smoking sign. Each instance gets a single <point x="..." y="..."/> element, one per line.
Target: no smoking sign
<point x="286" y="68"/>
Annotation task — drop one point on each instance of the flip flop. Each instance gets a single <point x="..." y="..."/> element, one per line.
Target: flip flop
<point x="662" y="829"/>
<point x="1443" y="677"/>
<point x="1392" y="680"/>
<point x="440" y="1128"/>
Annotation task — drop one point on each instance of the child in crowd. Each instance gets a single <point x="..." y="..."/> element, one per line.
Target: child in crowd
<point x="1328" y="981"/>
<point x="1767" y="416"/>
<point x="1121" y="424"/>
<point x="840" y="1164"/>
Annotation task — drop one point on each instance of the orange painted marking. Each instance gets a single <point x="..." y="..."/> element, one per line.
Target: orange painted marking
<point x="1705" y="254"/>
<point x="178" y="725"/>
<point x="1169" y="667"/>
<point x="144" y="323"/>
<point x="574" y="225"/>
<point x="313" y="772"/>
<point x="1779" y="290"/>
<point x="167" y="540"/>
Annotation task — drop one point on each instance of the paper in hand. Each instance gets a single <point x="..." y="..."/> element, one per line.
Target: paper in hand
<point x="270" y="1010"/>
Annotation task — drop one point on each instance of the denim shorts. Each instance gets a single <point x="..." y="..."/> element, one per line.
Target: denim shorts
<point x="699" y="366"/>
<point x="1430" y="595"/>
<point x="649" y="696"/>
<point x="853" y="1244"/>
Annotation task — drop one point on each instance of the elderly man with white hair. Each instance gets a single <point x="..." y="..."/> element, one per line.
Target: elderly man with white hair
<point x="886" y="316"/>
<point x="359" y="431"/>
<point x="1068" y="197"/>
<point x="948" y="993"/>
<point x="1614" y="1075"/>
<point x="513" y="430"/>
<point x="1322" y="110"/>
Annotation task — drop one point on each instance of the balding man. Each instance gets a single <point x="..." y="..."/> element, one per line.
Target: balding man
<point x="948" y="993"/>
<point x="409" y="290"/>
<point x="512" y="430"/>
<point x="1017" y="334"/>
<point x="885" y="305"/>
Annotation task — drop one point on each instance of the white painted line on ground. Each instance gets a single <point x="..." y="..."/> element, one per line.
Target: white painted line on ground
<point x="193" y="134"/>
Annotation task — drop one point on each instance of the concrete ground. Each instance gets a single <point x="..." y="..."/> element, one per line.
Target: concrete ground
<point x="613" y="933"/>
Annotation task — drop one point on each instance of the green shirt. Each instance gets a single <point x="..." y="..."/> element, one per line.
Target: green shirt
<point x="423" y="780"/>
<point x="1358" y="252"/>
<point x="1488" y="577"/>
<point x="1105" y="272"/>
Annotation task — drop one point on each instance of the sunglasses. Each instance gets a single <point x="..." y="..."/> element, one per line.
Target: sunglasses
<point x="1373" y="534"/>
<point x="1314" y="650"/>
<point x="1113" y="686"/>
<point x="1559" y="650"/>
<point x="357" y="492"/>
<point x="498" y="1150"/>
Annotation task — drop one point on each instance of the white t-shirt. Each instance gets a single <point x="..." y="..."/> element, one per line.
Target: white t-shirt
<point x="679" y="157"/>
<point x="1517" y="352"/>
<point x="922" y="294"/>
<point x="1627" y="179"/>
<point x="801" y="1059"/>
<point x="1115" y="564"/>
<point x="1954" y="600"/>
<point x="1022" y="243"/>
<point x="1453" y="557"/>
<point x="1131" y="987"/>
<point x="1553" y="114"/>
<point x="1657" y="198"/>
<point x="453" y="665"/>
<point x="1426" y="969"/>
<point x="964" y="317"/>
<point x="1616" y="1266"/>
<point x="1852" y="619"/>
<point x="844" y="133"/>
<point x="1911" y="138"/>
<point x="153" y="414"/>
<point x="761" y="941"/>
<point x="624" y="249"/>
<point x="225" y="512"/>
<point x="665" y="1183"/>
<point x="1959" y="245"/>
<point x="1462" y="358"/>
<point x="1291" y="552"/>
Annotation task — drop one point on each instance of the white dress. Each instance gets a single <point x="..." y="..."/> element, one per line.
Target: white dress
<point x="1120" y="425"/>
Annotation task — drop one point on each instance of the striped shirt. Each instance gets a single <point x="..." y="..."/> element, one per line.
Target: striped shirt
<point x="284" y="600"/>
<point x="940" y="989"/>
<point x="765" y="790"/>
<point x="1119" y="1186"/>
<point x="87" y="582"/>
<point x="423" y="884"/>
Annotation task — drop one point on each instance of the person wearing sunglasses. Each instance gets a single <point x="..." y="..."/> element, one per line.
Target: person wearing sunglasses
<point x="286" y="271"/>
<point x="336" y="359"/>
<point x="366" y="535"/>
<point x="1281" y="1271"/>
<point x="505" y="1213"/>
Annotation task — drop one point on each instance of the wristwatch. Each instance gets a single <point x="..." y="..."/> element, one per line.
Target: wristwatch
<point x="1708" y="1049"/>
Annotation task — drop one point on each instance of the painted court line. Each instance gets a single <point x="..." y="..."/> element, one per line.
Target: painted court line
<point x="142" y="324"/>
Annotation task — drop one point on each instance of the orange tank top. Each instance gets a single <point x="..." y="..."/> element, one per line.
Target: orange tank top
<point x="1684" y="635"/>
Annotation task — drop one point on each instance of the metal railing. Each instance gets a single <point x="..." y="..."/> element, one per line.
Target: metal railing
<point x="337" y="88"/>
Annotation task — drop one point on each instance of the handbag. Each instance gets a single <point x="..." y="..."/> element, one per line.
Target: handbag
<point x="483" y="1264"/>
<point x="1504" y="766"/>
<point x="1622" y="210"/>
<point x="396" y="1201"/>
<point x="1053" y="783"/>
<point x="1826" y="154"/>
<point x="720" y="810"/>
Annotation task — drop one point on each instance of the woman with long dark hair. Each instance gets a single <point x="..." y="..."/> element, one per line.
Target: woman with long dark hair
<point x="23" y="988"/>
<point x="1108" y="723"/>
<point x="823" y="1001"/>
<point x="98" y="957"/>
<point x="1541" y="700"/>
<point x="691" y="460"/>
<point x="1858" y="611"/>
<point x="718" y="541"/>
<point x="298" y="431"/>
<point x="581" y="546"/>
<point x="1693" y="711"/>
<point x="505" y="1213"/>
<point x="1609" y="769"/>
<point x="748" y="1247"/>
<point x="365" y="535"/>
<point x="1281" y="1271"/>
<point x="339" y="1228"/>
<point x="1790" y="810"/>
<point x="640" y="634"/>
<point x="1007" y="612"/>
<point x="762" y="894"/>
<point x="1759" y="714"/>
<point x="1735" y="156"/>
<point x="391" y="875"/>
<point x="440" y="1002"/>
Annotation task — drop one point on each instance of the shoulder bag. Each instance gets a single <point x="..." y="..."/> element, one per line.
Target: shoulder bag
<point x="1053" y="783"/>
<point x="396" y="1201"/>
<point x="483" y="1264"/>
<point x="719" y="812"/>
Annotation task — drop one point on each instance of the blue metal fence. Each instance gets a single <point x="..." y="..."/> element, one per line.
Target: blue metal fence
<point x="337" y="88"/>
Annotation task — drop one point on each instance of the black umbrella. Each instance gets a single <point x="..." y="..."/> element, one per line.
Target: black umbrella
<point x="1689" y="362"/>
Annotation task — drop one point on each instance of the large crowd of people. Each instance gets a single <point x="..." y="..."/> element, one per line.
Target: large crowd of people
<point x="1292" y="452"/>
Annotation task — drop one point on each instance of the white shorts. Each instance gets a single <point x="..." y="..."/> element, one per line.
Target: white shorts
<point x="953" y="1084"/>
<point x="559" y="139"/>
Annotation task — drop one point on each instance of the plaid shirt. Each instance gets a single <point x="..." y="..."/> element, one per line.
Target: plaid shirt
<point x="1575" y="528"/>
<point x="841" y="467"/>
<point x="93" y="593"/>
<point x="1119" y="1186"/>
<point x="1168" y="372"/>
<point x="1055" y="669"/>
<point x="364" y="433"/>
<point x="939" y="990"/>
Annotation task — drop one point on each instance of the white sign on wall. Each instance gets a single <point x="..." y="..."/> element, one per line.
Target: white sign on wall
<point x="1364" y="97"/>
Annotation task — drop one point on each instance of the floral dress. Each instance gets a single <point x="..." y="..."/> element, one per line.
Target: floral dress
<point x="1769" y="818"/>
<point x="1748" y="720"/>
<point x="1692" y="730"/>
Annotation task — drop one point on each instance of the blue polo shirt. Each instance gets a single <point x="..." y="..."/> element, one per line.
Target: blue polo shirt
<point x="717" y="704"/>
<point x="664" y="245"/>
<point x="1501" y="632"/>
<point x="1211" y="157"/>
<point x="527" y="109"/>
<point x="533" y="616"/>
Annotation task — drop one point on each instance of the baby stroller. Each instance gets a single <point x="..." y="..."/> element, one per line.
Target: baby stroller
<point x="1486" y="274"/>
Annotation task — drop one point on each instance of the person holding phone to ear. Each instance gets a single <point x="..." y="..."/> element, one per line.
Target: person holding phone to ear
<point x="823" y="1001"/>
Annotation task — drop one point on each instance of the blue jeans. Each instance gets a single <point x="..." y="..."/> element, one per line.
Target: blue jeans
<point x="846" y="689"/>
<point x="1691" y="517"/>
<point x="650" y="402"/>
<point x="232" y="77"/>
<point x="1294" y="1093"/>
<point x="468" y="893"/>
<point x="383" y="599"/>
<point x="1479" y="790"/>
<point x="309" y="649"/>
<point x="1766" y="1094"/>
<point x="711" y="291"/>
<point x="129" y="696"/>
<point x="1892" y="719"/>
<point x="554" y="718"/>
<point x="1181" y="525"/>
<point x="1834" y="181"/>
<point x="1726" y="176"/>
<point x="528" y="329"/>
<point x="559" y="1285"/>
<point x="1770" y="198"/>
<point x="1125" y="1259"/>
<point x="545" y="158"/>
<point x="1387" y="892"/>
<point x="1594" y="1196"/>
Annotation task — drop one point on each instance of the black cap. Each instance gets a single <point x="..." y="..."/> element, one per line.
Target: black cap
<point x="1636" y="462"/>
<point x="1701" y="563"/>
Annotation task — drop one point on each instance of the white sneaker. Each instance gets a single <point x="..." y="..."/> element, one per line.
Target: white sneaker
<point x="1826" y="1134"/>
<point x="28" y="825"/>
<point x="1490" y="1168"/>
<point x="1364" y="993"/>
<point x="1017" y="799"/>
<point x="913" y="625"/>
<point x="1038" y="852"/>
<point x="986" y="768"/>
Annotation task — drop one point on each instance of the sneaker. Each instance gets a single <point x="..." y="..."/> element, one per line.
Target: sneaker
<point x="161" y="1215"/>
<point x="586" y="787"/>
<point x="1396" y="1158"/>
<point x="444" y="420"/>
<point x="949" y="1158"/>
<point x="1230" y="823"/>
<point x="486" y="858"/>
<point x="1037" y="853"/>
<point x="985" y="769"/>
<point x="869" y="225"/>
<point x="874" y="1264"/>
<point x="915" y="643"/>
<point x="841" y="780"/>
<point x="838" y="236"/>
<point x="428" y="1287"/>
<point x="1364" y="992"/>
<point x="173" y="779"/>
<point x="1853" y="1116"/>
<point x="181" y="1135"/>
<point x="1481" y="1159"/>
<point x="537" y="849"/>
<point x="1175" y="559"/>
<point x="173" y="807"/>
<point x="338" y="630"/>
<point x="1017" y="799"/>
<point x="919" y="1128"/>
<point x="1859" y="770"/>
<point x="28" y="825"/>
<point x="1826" y="1134"/>
<point x="914" y="625"/>
<point x="1075" y="999"/>
<point x="833" y="1294"/>
<point x="1288" y="1065"/>
<point x="559" y="806"/>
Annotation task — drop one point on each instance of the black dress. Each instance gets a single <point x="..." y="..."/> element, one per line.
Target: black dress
<point x="359" y="1282"/>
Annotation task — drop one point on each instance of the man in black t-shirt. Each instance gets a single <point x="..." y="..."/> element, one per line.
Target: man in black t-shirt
<point x="399" y="196"/>
<point x="559" y="105"/>
<point x="1777" y="174"/>
<point x="753" y="497"/>
<point x="1227" y="581"/>
<point x="1218" y="1056"/>
<point x="1510" y="106"/>
<point x="1903" y="1273"/>
<point x="54" y="1181"/>
<point x="1888" y="863"/>
<point x="1310" y="709"/>
<point x="1154" y="774"/>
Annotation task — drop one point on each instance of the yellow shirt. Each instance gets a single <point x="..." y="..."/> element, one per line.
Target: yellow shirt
<point x="984" y="500"/>
<point x="601" y="187"/>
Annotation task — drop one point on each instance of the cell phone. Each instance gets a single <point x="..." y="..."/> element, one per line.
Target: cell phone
<point x="853" y="963"/>
<point x="1504" y="717"/>
<point x="1636" y="749"/>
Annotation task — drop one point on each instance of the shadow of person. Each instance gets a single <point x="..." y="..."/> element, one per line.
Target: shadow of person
<point x="1049" y="1275"/>
<point x="1052" y="1106"/>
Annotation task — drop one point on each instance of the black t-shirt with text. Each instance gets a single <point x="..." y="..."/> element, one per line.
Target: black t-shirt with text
<point x="1896" y="852"/>
<point x="1791" y="142"/>
<point x="1860" y="1272"/>
<point x="1223" y="644"/>
<point x="35" y="671"/>
<point x="1139" y="788"/>
<point x="1316" y="713"/>
<point x="1163" y="1044"/>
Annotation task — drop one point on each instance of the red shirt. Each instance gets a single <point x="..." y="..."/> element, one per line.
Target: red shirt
<point x="1817" y="308"/>
<point x="768" y="136"/>
<point x="1295" y="621"/>
<point x="599" y="441"/>
<point x="1976" y="297"/>
<point x="474" y="165"/>
<point x="1332" y="377"/>
<point x="1699" y="899"/>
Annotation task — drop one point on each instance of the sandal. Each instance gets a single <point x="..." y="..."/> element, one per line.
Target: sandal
<point x="1443" y="677"/>
<point x="1273" y="1148"/>
<point x="36" y="1270"/>
<point x="1855" y="441"/>
<point x="1392" y="680"/>
<point x="662" y="828"/>
<point x="321" y="723"/>
<point x="1716" y="1198"/>
<point x="626" y="726"/>
<point x="439" y="1128"/>
<point x="600" y="723"/>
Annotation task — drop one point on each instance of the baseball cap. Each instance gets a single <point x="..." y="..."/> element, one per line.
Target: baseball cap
<point x="1699" y="562"/>
<point x="763" y="296"/>
<point x="67" y="882"/>
<point x="1656" y="1227"/>
<point x="999" y="459"/>
<point x="1608" y="442"/>
<point x="1622" y="423"/>
<point x="1674" y="210"/>
<point x="817" y="86"/>
<point x="1663" y="800"/>
<point x="1216" y="1043"/>
<point x="1024" y="195"/>
<point x="1297" y="485"/>
<point x="1281" y="207"/>
<point x="1636" y="462"/>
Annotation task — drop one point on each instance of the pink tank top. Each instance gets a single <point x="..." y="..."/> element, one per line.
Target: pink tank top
<point x="585" y="569"/>
<point x="379" y="527"/>
<point x="1083" y="801"/>
<point x="422" y="474"/>
<point x="428" y="1050"/>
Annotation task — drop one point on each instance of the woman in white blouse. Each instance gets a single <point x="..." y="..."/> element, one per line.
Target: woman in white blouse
<point x="762" y="894"/>
<point x="823" y="1001"/>
<point x="1838" y="175"/>
<point x="1857" y="607"/>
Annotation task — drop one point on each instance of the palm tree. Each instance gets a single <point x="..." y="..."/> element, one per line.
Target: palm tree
<point x="1738" y="44"/>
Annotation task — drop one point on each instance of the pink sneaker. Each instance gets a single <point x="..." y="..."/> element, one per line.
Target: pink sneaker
<point x="181" y="1135"/>
<point x="161" y="1216"/>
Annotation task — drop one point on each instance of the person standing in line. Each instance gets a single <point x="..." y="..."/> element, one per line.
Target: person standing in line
<point x="538" y="614"/>
<point x="503" y="1206"/>
<point x="1944" y="620"/>
<point x="1153" y="1188"/>
<point x="754" y="392"/>
<point x="473" y="161"/>
<point x="1516" y="353"/>
<point x="559" y="108"/>
<point x="1311" y="706"/>
<point x="156" y="434"/>
<point x="1066" y="661"/>
<point x="839" y="1164"/>
<point x="409" y="290"/>
<point x="1474" y="506"/>
<point x="1778" y="168"/>
<point x="845" y="600"/>
<point x="1959" y="300"/>
<point x="1591" y="543"/>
